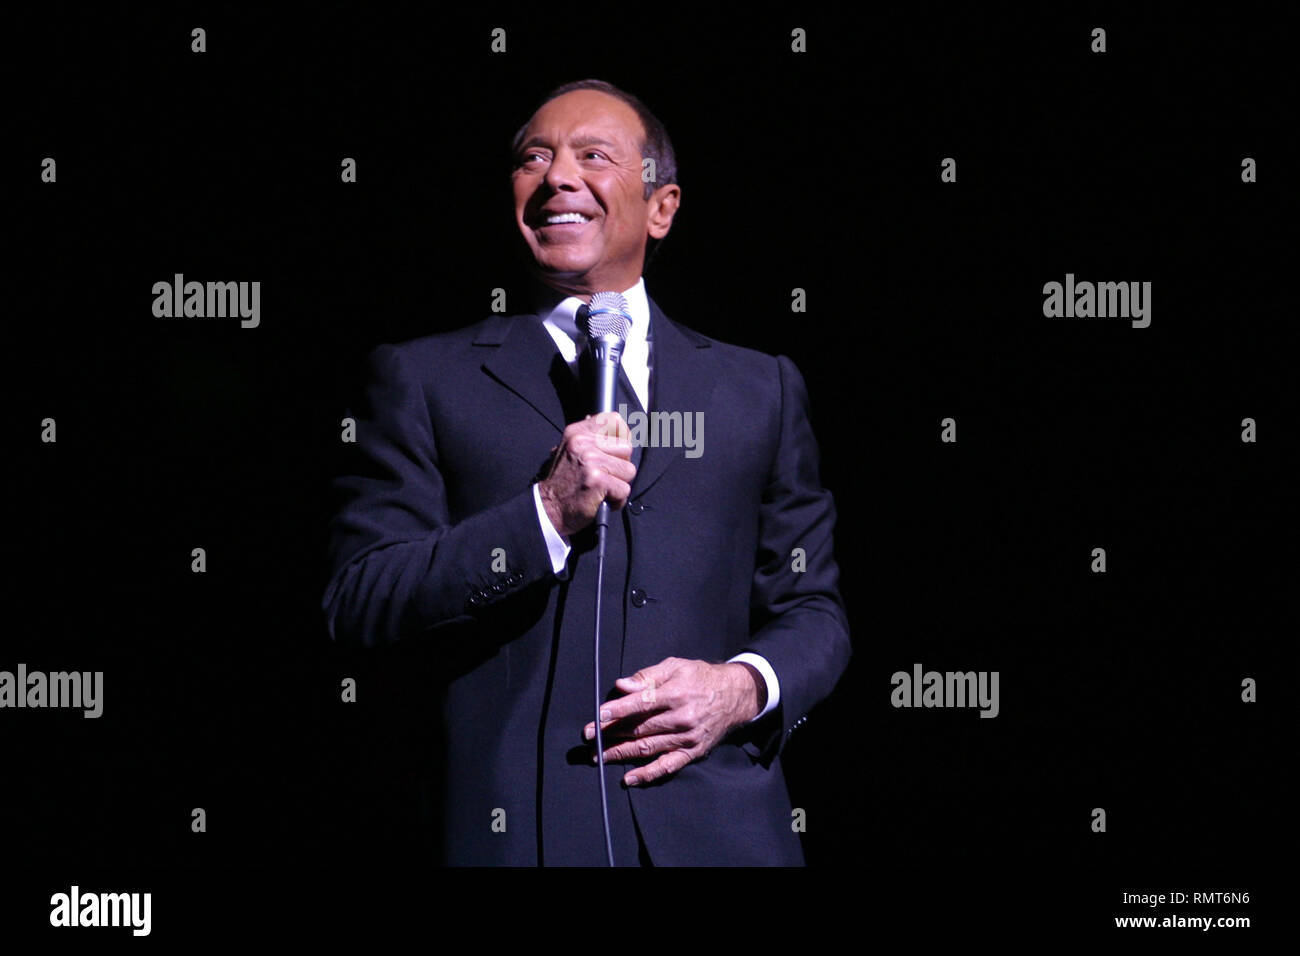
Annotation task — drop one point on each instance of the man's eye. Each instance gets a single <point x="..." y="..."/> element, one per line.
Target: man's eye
<point x="592" y="152"/>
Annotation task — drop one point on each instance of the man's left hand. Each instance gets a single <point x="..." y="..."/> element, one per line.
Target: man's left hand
<point x="679" y="709"/>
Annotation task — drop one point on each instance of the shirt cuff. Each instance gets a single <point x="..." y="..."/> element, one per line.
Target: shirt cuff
<point x="769" y="677"/>
<point x="555" y="545"/>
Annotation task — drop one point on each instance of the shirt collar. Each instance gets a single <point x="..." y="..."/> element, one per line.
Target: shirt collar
<point x="561" y="311"/>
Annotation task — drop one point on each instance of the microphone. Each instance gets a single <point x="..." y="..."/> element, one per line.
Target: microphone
<point x="605" y="324"/>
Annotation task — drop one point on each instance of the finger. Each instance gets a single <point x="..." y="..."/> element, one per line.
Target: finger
<point x="593" y="475"/>
<point x="613" y="445"/>
<point x="610" y="423"/>
<point x="668" y="764"/>
<point x="643" y="693"/>
<point x="617" y="491"/>
<point x="620" y="468"/>
<point x="650" y="678"/>
<point x="638" y="725"/>
<point x="647" y="688"/>
<point x="596" y="463"/>
<point x="643" y="702"/>
<point x="642" y="747"/>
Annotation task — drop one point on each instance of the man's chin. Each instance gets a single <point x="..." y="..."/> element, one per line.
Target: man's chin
<point x="566" y="275"/>
<point x="558" y="263"/>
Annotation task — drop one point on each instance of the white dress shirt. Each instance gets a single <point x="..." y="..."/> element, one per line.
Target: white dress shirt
<point x="559" y="318"/>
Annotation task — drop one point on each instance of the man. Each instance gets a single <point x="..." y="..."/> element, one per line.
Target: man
<point x="468" y="522"/>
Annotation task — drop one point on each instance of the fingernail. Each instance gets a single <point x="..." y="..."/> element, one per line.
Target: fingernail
<point x="633" y="781"/>
<point x="604" y="715"/>
<point x="589" y="732"/>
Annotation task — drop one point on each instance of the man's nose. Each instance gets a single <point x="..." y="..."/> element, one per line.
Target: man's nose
<point x="562" y="173"/>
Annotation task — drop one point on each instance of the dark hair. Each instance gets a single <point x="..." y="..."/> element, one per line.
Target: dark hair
<point x="656" y="145"/>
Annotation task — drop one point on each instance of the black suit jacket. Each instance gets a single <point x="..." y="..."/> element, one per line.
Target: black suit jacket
<point x="453" y="429"/>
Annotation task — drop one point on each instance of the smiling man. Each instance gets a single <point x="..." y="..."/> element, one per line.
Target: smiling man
<point x="579" y="197"/>
<point x="467" y="520"/>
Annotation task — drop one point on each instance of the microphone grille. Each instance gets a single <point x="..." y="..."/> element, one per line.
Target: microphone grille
<point x="607" y="314"/>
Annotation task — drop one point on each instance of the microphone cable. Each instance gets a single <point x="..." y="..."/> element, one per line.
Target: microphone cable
<point x="602" y="522"/>
<point x="610" y="312"/>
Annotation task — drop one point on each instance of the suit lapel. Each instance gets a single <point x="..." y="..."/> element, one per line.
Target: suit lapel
<point x="681" y="381"/>
<point x="524" y="359"/>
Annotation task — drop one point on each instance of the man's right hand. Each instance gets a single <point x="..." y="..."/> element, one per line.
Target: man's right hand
<point x="592" y="463"/>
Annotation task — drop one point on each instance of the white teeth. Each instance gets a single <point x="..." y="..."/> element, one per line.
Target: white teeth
<point x="566" y="217"/>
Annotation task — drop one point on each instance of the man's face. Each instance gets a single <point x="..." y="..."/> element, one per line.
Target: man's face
<point x="581" y="154"/>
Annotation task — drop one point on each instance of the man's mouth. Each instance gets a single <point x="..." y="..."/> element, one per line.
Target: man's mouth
<point x="564" y="219"/>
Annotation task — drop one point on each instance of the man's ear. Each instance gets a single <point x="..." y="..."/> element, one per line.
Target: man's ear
<point x="662" y="206"/>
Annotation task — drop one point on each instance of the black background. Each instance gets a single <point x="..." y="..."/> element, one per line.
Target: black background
<point x="818" y="171"/>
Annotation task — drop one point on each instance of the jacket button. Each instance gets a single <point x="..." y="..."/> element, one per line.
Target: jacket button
<point x="476" y="598"/>
<point x="514" y="578"/>
<point x="636" y="507"/>
<point x="498" y="588"/>
<point x="638" y="597"/>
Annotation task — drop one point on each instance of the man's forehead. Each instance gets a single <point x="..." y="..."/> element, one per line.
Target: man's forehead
<point x="577" y="139"/>
<point x="583" y="120"/>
